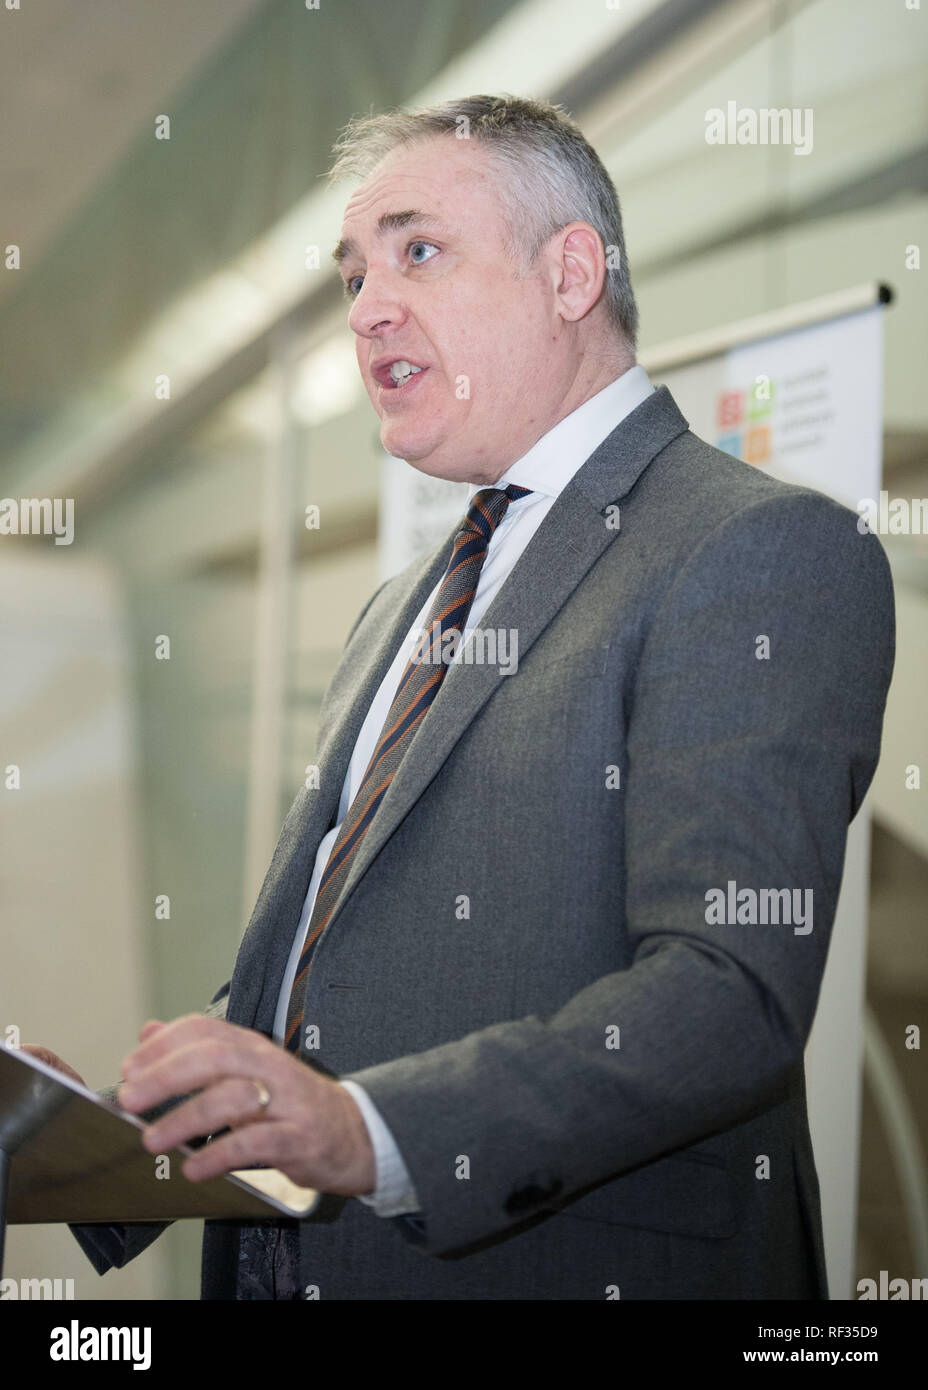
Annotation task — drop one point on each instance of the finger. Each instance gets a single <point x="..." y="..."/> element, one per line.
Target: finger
<point x="198" y="1066"/>
<point x="44" y="1054"/>
<point x="51" y="1059"/>
<point x="148" y="1029"/>
<point x="157" y="1041"/>
<point x="242" y="1148"/>
<point x="230" y="1103"/>
<point x="180" y="1032"/>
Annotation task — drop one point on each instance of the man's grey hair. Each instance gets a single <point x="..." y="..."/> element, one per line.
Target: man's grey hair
<point x="551" y="176"/>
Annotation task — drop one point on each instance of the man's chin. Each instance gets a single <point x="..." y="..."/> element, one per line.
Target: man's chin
<point x="426" y="456"/>
<point x="404" y="444"/>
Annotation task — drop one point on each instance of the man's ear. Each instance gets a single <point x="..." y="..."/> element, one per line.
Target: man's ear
<point x="578" y="267"/>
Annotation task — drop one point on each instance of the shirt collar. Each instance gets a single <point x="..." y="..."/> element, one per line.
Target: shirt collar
<point x="553" y="460"/>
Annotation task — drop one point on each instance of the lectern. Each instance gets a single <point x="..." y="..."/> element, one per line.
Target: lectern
<point x="68" y="1155"/>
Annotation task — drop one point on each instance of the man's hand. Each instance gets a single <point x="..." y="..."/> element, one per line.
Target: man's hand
<point x="310" y="1129"/>
<point x="52" y="1059"/>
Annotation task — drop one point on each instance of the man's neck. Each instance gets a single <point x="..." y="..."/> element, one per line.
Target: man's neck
<point x="601" y="374"/>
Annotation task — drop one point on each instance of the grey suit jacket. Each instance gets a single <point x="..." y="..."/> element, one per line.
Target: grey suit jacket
<point x="595" y="1086"/>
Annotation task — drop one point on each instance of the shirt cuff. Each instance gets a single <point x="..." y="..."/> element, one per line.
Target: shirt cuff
<point x="394" y="1194"/>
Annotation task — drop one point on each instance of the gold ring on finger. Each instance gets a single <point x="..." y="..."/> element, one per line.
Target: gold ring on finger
<point x="264" y="1095"/>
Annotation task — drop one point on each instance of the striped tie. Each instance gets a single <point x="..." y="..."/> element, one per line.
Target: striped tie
<point x="414" y="694"/>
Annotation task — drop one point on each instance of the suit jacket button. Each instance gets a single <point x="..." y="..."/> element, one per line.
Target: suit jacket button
<point x="533" y="1196"/>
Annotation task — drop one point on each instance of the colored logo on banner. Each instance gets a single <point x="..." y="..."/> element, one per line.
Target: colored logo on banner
<point x="744" y="423"/>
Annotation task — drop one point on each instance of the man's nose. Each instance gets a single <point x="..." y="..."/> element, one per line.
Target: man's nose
<point x="376" y="306"/>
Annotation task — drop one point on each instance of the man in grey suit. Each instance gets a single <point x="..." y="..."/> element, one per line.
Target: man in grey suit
<point x="544" y="980"/>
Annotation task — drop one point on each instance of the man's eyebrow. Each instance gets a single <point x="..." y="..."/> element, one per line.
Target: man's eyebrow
<point x="387" y="222"/>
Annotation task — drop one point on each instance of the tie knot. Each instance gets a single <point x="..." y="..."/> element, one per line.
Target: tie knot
<point x="488" y="507"/>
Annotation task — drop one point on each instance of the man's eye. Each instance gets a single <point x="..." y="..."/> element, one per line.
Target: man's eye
<point x="413" y="244"/>
<point x="352" y="293"/>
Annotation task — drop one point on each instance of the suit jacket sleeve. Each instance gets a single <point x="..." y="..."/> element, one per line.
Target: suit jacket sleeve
<point x="111" y="1247"/>
<point x="737" y="768"/>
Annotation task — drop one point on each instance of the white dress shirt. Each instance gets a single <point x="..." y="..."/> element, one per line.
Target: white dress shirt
<point x="547" y="468"/>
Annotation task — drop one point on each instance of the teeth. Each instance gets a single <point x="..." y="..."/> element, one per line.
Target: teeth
<point x="401" y="371"/>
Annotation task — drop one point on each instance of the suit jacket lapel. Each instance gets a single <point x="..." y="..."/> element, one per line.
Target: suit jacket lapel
<point x="266" y="944"/>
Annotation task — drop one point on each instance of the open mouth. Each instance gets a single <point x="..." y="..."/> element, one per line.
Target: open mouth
<point x="403" y="383"/>
<point x="398" y="375"/>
